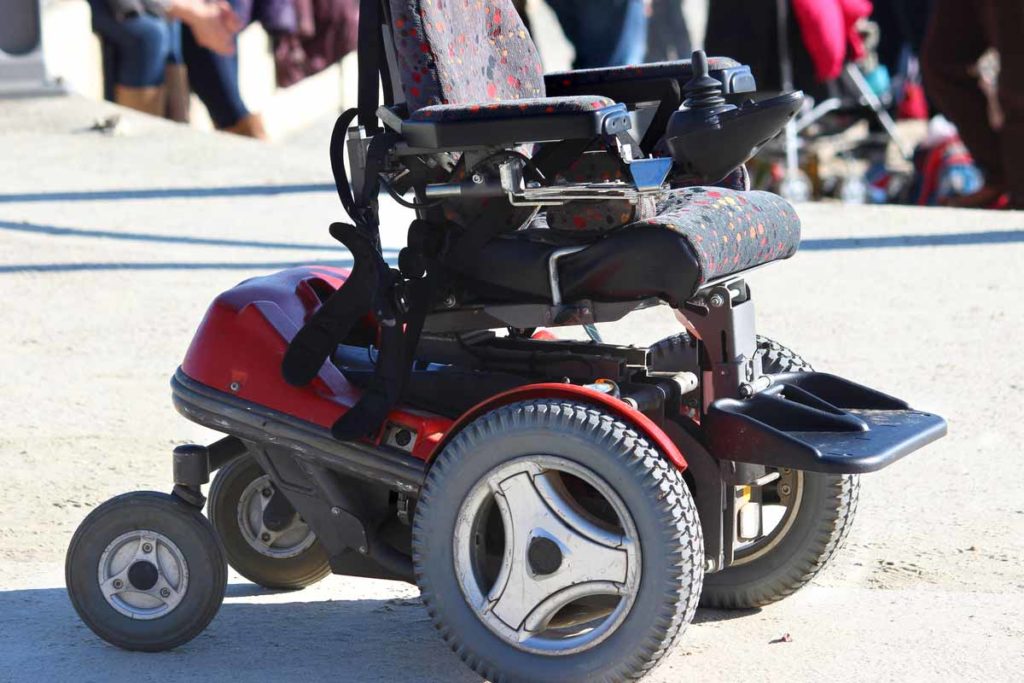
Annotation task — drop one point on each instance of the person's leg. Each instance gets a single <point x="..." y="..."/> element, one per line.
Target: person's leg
<point x="214" y="78"/>
<point x="631" y="38"/>
<point x="1008" y="38"/>
<point x="142" y="45"/>
<point x="179" y="93"/>
<point x="567" y="12"/>
<point x="596" y="30"/>
<point x="956" y="39"/>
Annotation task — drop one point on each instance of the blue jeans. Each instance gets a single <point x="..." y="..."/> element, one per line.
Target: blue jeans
<point x="604" y="32"/>
<point x="145" y="45"/>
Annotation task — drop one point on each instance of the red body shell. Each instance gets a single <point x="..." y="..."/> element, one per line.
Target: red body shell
<point x="239" y="346"/>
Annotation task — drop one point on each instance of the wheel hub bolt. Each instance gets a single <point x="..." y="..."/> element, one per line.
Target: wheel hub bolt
<point x="118" y="584"/>
<point x="267" y="493"/>
<point x="165" y="593"/>
<point x="265" y="537"/>
<point x="544" y="555"/>
<point x="147" y="547"/>
<point x="785" y="489"/>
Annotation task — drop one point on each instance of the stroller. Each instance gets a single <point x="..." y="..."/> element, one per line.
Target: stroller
<point x="841" y="93"/>
<point x="562" y="505"/>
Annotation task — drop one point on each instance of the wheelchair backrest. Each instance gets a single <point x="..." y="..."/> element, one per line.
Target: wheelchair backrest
<point x="463" y="52"/>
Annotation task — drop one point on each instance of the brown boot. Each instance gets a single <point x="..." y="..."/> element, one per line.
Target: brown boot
<point x="149" y="100"/>
<point x="179" y="95"/>
<point x="250" y="126"/>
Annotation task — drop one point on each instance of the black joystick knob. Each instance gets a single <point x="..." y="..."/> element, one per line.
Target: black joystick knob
<point x="702" y="91"/>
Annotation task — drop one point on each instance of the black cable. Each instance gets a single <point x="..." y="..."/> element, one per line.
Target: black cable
<point x="404" y="202"/>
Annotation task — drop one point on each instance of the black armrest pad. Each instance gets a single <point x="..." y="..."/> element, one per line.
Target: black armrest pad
<point x="735" y="78"/>
<point x="514" y="122"/>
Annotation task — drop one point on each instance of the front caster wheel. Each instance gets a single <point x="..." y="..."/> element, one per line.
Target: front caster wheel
<point x="575" y="552"/>
<point x="806" y="516"/>
<point x="145" y="572"/>
<point x="813" y="513"/>
<point x="264" y="539"/>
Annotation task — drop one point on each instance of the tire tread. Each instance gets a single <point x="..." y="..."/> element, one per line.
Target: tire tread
<point x="663" y="483"/>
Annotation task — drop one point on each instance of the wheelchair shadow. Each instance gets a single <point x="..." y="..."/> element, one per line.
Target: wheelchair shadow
<point x="41" y="638"/>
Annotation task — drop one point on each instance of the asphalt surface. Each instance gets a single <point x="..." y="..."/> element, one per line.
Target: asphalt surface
<point x="111" y="247"/>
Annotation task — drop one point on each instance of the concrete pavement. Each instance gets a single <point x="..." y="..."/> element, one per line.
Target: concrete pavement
<point x="111" y="247"/>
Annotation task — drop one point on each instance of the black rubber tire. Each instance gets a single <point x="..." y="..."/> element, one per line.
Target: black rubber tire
<point x="178" y="521"/>
<point x="677" y="354"/>
<point x="822" y="523"/>
<point x="290" y="573"/>
<point x="651" y="488"/>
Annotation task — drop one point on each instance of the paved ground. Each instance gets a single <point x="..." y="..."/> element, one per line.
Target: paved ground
<point x="111" y="248"/>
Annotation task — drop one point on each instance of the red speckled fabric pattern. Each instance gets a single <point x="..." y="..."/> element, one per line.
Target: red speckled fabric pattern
<point x="730" y="231"/>
<point x="463" y="52"/>
<point x="596" y="216"/>
<point x="510" y="109"/>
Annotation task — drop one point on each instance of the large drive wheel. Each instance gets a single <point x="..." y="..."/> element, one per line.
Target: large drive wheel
<point x="575" y="551"/>
<point x="145" y="571"/>
<point x="276" y="549"/>
<point x="806" y="516"/>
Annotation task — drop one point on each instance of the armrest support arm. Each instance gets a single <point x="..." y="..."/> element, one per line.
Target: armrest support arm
<point x="514" y="122"/>
<point x="632" y="84"/>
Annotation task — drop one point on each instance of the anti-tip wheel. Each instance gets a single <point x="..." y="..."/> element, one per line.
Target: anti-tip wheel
<point x="145" y="571"/>
<point x="264" y="539"/>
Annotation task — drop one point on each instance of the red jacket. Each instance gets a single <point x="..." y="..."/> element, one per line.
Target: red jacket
<point x="829" y="32"/>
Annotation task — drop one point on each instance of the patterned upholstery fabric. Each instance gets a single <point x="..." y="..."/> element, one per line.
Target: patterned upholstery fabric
<point x="596" y="216"/>
<point x="487" y="53"/>
<point x="473" y="59"/>
<point x="728" y="230"/>
<point x="510" y="109"/>
<point x="680" y="69"/>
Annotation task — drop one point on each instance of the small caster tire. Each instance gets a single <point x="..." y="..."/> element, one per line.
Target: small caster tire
<point x="286" y="558"/>
<point x="145" y="571"/>
<point x="818" y="512"/>
<point x="803" y="543"/>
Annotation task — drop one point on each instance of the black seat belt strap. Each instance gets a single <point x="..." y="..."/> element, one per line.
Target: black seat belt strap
<point x="394" y="362"/>
<point x="371" y="53"/>
<point x="332" y="322"/>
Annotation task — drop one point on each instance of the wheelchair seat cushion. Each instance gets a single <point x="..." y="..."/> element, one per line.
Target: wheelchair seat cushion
<point x="460" y="52"/>
<point x="730" y="231"/>
<point x="699" y="234"/>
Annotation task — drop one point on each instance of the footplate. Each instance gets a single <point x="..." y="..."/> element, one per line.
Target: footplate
<point x="818" y="422"/>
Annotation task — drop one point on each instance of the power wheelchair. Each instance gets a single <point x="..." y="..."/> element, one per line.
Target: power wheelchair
<point x="563" y="505"/>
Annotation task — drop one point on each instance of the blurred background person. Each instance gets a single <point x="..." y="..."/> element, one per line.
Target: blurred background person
<point x="162" y="49"/>
<point x="604" y="32"/>
<point x="668" y="37"/>
<point x="958" y="35"/>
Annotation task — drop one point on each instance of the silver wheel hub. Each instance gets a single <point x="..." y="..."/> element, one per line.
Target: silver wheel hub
<point x="776" y="518"/>
<point x="289" y="541"/>
<point x="547" y="555"/>
<point x="143" y="574"/>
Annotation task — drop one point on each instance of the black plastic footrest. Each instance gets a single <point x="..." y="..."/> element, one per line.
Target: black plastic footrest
<point x="818" y="422"/>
